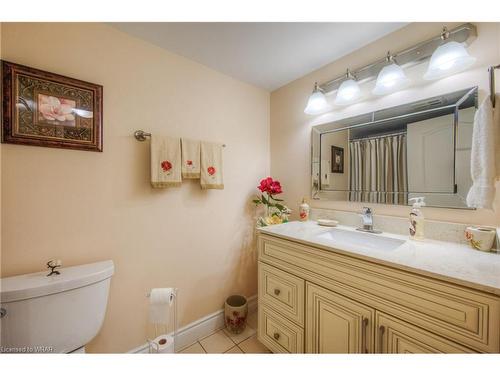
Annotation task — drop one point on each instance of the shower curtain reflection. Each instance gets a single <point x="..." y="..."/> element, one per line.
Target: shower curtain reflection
<point x="378" y="170"/>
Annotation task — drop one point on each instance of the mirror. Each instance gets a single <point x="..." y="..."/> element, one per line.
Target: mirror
<point x="389" y="156"/>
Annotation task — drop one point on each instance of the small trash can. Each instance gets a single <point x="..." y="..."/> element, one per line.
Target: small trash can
<point x="235" y="313"/>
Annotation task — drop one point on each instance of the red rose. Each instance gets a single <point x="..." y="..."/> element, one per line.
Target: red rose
<point x="166" y="165"/>
<point x="270" y="186"/>
<point x="276" y="188"/>
<point x="211" y="171"/>
<point x="189" y="162"/>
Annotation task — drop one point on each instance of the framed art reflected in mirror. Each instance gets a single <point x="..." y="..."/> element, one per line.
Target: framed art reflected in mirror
<point x="337" y="159"/>
<point x="47" y="109"/>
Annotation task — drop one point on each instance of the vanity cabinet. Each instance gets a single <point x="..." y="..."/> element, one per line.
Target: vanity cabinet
<point x="317" y="300"/>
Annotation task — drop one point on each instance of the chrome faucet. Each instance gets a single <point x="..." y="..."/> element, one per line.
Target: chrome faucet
<point x="367" y="217"/>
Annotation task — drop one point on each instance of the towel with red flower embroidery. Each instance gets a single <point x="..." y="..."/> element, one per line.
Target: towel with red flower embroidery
<point x="211" y="166"/>
<point x="190" y="158"/>
<point x="165" y="161"/>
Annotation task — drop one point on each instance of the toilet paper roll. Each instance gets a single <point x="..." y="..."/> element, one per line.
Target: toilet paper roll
<point x="162" y="344"/>
<point x="160" y="301"/>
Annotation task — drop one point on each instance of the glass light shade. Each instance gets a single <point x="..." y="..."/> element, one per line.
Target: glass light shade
<point x="317" y="103"/>
<point x="390" y="79"/>
<point x="448" y="59"/>
<point x="348" y="92"/>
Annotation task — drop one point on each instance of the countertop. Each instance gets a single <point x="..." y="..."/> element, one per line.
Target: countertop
<point x="448" y="261"/>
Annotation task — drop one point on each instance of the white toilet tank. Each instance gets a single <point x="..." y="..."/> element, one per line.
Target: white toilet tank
<point x="55" y="314"/>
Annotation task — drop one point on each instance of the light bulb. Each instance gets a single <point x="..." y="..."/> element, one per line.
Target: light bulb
<point x="348" y="91"/>
<point x="317" y="102"/>
<point x="448" y="59"/>
<point x="390" y="79"/>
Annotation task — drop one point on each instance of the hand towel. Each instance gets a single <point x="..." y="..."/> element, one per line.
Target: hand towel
<point x="211" y="166"/>
<point x="483" y="164"/>
<point x="190" y="158"/>
<point x="165" y="161"/>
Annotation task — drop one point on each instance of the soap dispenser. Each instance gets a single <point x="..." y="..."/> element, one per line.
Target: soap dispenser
<point x="304" y="210"/>
<point x="417" y="219"/>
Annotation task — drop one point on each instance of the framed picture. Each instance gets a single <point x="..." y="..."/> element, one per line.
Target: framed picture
<point x="50" y="110"/>
<point x="337" y="159"/>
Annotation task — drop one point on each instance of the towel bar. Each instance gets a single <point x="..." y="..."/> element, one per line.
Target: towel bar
<point x="491" y="70"/>
<point x="141" y="136"/>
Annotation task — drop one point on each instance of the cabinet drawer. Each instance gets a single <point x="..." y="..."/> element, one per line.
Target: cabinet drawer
<point x="282" y="291"/>
<point x="279" y="334"/>
<point x="398" y="337"/>
<point x="467" y="316"/>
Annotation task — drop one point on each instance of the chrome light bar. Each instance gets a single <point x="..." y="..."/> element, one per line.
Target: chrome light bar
<point x="465" y="33"/>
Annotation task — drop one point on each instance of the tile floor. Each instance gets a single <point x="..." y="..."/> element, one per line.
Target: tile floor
<point x="226" y="342"/>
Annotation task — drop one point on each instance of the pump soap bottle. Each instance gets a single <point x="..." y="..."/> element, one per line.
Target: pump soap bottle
<point x="304" y="210"/>
<point x="417" y="219"/>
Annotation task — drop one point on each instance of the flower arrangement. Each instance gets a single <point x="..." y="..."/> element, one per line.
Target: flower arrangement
<point x="276" y="212"/>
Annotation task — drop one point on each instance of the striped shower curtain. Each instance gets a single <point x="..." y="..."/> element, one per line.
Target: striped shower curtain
<point x="378" y="171"/>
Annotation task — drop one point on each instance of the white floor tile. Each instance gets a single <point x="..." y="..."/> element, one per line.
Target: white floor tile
<point x="196" y="348"/>
<point x="217" y="343"/>
<point x="252" y="345"/>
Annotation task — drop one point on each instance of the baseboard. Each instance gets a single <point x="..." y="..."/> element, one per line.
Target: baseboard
<point x="200" y="328"/>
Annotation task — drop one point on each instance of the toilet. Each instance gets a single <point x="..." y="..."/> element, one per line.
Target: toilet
<point x="54" y="314"/>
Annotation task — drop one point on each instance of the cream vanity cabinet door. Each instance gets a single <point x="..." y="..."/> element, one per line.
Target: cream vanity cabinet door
<point x="336" y="324"/>
<point x="393" y="335"/>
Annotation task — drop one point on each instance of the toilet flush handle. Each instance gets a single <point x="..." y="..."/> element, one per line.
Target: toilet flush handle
<point x="3" y="312"/>
<point x="52" y="265"/>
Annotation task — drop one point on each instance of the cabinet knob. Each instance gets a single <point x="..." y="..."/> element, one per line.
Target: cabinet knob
<point x="277" y="292"/>
<point x="276" y="335"/>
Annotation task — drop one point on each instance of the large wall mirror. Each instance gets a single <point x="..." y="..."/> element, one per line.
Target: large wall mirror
<point x="388" y="156"/>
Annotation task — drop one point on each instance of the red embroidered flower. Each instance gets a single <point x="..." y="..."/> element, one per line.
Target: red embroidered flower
<point x="303" y="215"/>
<point x="166" y="165"/>
<point x="189" y="162"/>
<point x="468" y="235"/>
<point x="211" y="171"/>
<point x="270" y="186"/>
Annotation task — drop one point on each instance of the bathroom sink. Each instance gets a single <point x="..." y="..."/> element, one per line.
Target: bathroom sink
<point x="360" y="240"/>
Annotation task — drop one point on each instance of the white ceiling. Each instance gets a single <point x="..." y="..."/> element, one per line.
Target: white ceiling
<point x="267" y="55"/>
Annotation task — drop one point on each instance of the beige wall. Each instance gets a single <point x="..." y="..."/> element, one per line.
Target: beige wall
<point x="83" y="206"/>
<point x="291" y="128"/>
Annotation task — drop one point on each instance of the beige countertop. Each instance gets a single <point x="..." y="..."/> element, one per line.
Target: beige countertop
<point x="452" y="262"/>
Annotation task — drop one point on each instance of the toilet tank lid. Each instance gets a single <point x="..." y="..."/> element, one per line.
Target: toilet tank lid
<point x="37" y="284"/>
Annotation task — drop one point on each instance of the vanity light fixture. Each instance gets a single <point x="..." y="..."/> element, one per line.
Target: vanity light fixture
<point x="391" y="78"/>
<point x="349" y="90"/>
<point x="449" y="58"/>
<point x="446" y="51"/>
<point x="317" y="102"/>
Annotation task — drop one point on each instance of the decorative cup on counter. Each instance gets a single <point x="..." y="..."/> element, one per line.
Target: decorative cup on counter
<point x="480" y="238"/>
<point x="235" y="313"/>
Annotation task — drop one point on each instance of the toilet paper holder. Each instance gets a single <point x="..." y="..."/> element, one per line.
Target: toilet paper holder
<point x="172" y="296"/>
<point x="169" y="335"/>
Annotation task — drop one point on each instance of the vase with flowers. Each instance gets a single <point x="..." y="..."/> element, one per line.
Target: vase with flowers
<point x="276" y="211"/>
